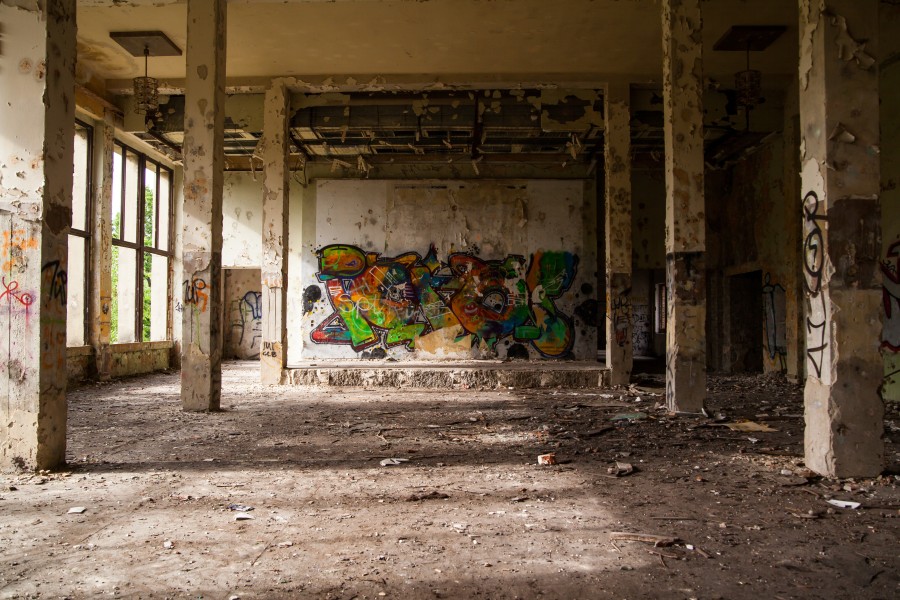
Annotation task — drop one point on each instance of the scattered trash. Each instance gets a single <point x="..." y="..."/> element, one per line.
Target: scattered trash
<point x="168" y="545"/>
<point x="432" y="495"/>
<point x="76" y="510"/>
<point x="637" y="416"/>
<point x="390" y="462"/>
<point x="621" y="469"/>
<point x="285" y="544"/>
<point x="547" y="459"/>
<point x="240" y="507"/>
<point x="658" y="541"/>
<point x="519" y="499"/>
<point x="844" y="504"/>
<point x="243" y="517"/>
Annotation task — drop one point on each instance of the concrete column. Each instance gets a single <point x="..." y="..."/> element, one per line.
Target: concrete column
<point x="204" y="163"/>
<point x="841" y="226"/>
<point x="619" y="322"/>
<point x="101" y="244"/>
<point x="685" y="210"/>
<point x="37" y="68"/>
<point x="276" y="187"/>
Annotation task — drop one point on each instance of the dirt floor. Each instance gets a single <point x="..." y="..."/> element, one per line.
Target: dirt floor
<point x="468" y="514"/>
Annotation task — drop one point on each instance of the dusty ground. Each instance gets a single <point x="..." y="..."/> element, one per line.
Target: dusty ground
<point x="330" y="522"/>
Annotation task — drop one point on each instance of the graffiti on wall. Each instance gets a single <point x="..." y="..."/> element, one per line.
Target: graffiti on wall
<point x="775" y="311"/>
<point x="890" y="269"/>
<point x="813" y="266"/>
<point x="393" y="301"/>
<point x="246" y="323"/>
<point x="641" y="336"/>
<point x="196" y="293"/>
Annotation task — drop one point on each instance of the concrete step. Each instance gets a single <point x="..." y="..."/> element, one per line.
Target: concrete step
<point x="494" y="375"/>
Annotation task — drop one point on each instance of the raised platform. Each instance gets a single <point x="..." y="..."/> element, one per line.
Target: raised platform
<point x="482" y="374"/>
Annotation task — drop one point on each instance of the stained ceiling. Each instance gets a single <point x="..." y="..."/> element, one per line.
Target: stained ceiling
<point x="485" y="69"/>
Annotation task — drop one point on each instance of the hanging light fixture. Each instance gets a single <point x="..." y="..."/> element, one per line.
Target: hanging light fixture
<point x="146" y="44"/>
<point x="747" y="38"/>
<point x="146" y="91"/>
<point x="748" y="85"/>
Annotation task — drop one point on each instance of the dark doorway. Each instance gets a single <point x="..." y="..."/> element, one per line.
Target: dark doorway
<point x="744" y="348"/>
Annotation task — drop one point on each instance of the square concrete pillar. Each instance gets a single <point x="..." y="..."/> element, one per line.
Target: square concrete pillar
<point x="37" y="121"/>
<point x="839" y="117"/>
<point x="617" y="218"/>
<point x="204" y="164"/>
<point x="685" y="208"/>
<point x="101" y="245"/>
<point x="276" y="187"/>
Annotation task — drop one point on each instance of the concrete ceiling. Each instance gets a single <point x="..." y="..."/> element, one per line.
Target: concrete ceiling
<point x="449" y="41"/>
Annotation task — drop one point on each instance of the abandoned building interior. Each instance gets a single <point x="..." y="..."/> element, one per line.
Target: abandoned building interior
<point x="242" y="240"/>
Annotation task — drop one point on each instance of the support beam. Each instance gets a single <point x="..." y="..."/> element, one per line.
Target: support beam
<point x="276" y="187"/>
<point x="204" y="163"/>
<point x="101" y="245"/>
<point x="619" y="323"/>
<point x="685" y="211"/>
<point x="841" y="226"/>
<point x="37" y="74"/>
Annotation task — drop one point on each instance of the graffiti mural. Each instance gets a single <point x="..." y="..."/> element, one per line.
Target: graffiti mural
<point x="393" y="301"/>
<point x="775" y="310"/>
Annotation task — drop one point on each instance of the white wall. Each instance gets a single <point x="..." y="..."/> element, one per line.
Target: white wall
<point x="242" y="219"/>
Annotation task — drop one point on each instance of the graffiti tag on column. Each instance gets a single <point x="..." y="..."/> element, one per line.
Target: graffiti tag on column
<point x="813" y="266"/>
<point x="269" y="350"/>
<point x="195" y="293"/>
<point x="620" y="315"/>
<point x="58" y="281"/>
<point x="775" y="308"/>
<point x="11" y="290"/>
<point x="392" y="301"/>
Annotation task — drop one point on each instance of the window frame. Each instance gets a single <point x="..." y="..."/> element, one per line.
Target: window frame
<point x="140" y="246"/>
<point x="87" y="233"/>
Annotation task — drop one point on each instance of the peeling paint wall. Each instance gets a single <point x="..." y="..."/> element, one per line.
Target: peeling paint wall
<point x="479" y="222"/>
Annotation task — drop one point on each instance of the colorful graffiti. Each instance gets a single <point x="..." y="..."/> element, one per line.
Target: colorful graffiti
<point x="393" y="301"/>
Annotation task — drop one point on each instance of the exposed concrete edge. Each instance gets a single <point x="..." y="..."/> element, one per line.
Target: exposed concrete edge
<point x="426" y="378"/>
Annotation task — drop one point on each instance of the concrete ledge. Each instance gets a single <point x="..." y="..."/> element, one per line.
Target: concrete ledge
<point x="450" y="376"/>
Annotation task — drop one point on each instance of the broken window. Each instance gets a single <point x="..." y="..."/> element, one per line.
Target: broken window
<point x="141" y="224"/>
<point x="77" y="284"/>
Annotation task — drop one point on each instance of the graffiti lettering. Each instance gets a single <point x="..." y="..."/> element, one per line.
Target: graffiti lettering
<point x="24" y="298"/>
<point x="394" y="301"/>
<point x="641" y="337"/>
<point x="247" y="319"/>
<point x="58" y="281"/>
<point x="813" y="266"/>
<point x="268" y="349"/>
<point x="621" y="315"/>
<point x="195" y="293"/>
<point x="775" y="309"/>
